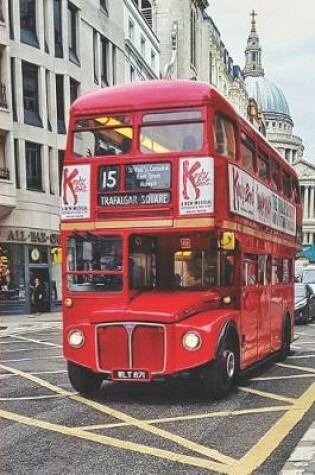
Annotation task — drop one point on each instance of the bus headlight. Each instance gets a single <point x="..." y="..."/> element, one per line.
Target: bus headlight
<point x="192" y="340"/>
<point x="76" y="338"/>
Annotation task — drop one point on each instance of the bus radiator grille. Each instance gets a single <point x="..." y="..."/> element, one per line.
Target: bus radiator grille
<point x="131" y="346"/>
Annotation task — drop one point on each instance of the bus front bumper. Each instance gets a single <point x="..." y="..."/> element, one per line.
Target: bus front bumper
<point x="145" y="351"/>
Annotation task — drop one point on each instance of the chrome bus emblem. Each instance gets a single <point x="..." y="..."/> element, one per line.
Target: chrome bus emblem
<point x="129" y="327"/>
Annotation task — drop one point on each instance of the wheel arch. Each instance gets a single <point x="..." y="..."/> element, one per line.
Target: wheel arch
<point x="229" y="330"/>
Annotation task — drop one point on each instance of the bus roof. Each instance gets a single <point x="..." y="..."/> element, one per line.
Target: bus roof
<point x="147" y="95"/>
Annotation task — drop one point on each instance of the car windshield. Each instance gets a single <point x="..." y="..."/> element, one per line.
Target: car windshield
<point x="308" y="276"/>
<point x="300" y="291"/>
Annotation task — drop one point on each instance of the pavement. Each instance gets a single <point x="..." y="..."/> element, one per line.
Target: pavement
<point x="301" y="460"/>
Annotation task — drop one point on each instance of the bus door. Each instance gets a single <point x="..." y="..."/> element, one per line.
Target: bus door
<point x="277" y="302"/>
<point x="264" y="323"/>
<point x="250" y="308"/>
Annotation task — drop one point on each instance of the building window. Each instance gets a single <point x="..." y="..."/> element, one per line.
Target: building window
<point x="153" y="59"/>
<point x="193" y="37"/>
<point x="33" y="166"/>
<point x="11" y="22"/>
<point x="114" y="57"/>
<point x="72" y="33"/>
<point x="58" y="29"/>
<point x="46" y="25"/>
<point x="104" y="62"/>
<point x="2" y="19"/>
<point x="51" y="170"/>
<point x="132" y="74"/>
<point x="30" y="94"/>
<point x="48" y="99"/>
<point x="60" y="104"/>
<point x="13" y="91"/>
<point x="142" y="46"/>
<point x="95" y="57"/>
<point x="74" y="90"/>
<point x="3" y="160"/>
<point x="61" y="155"/>
<point x="131" y="30"/>
<point x="17" y="164"/>
<point x="104" y="6"/>
<point x="146" y="9"/>
<point x="3" y="92"/>
<point x="28" y="22"/>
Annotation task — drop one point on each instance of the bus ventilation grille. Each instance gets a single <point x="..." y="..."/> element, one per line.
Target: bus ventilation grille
<point x="146" y="342"/>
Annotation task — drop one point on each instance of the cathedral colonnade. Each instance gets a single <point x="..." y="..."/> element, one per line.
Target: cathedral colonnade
<point x="308" y="200"/>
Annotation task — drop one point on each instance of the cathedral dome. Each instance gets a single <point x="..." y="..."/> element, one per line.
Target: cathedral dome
<point x="269" y="96"/>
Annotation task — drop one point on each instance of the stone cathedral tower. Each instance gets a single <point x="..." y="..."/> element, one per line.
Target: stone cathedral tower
<point x="183" y="35"/>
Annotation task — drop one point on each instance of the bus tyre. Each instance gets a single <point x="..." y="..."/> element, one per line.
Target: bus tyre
<point x="220" y="375"/>
<point x="82" y="379"/>
<point x="286" y="340"/>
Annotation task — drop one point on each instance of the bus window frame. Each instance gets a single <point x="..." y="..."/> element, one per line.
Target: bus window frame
<point x="275" y="186"/>
<point x="225" y="119"/>
<point x="141" y="124"/>
<point x="249" y="144"/>
<point x="81" y="118"/>
<point x="263" y="157"/>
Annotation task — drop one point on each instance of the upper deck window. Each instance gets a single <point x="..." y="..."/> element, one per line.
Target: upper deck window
<point x="224" y="136"/>
<point x="172" y="132"/>
<point x="171" y="138"/>
<point x="263" y="166"/>
<point x="247" y="153"/>
<point x="275" y="174"/>
<point x="287" y="189"/>
<point x="102" y="136"/>
<point x="172" y="116"/>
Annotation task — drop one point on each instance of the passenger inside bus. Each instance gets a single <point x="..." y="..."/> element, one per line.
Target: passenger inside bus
<point x="125" y="146"/>
<point x="190" y="143"/>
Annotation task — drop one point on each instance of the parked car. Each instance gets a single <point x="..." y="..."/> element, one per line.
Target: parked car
<point x="299" y="266"/>
<point x="308" y="275"/>
<point x="304" y="304"/>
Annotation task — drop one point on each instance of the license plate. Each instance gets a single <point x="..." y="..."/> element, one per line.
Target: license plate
<point x="130" y="375"/>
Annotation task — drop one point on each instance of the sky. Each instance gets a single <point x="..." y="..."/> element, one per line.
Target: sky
<point x="287" y="37"/>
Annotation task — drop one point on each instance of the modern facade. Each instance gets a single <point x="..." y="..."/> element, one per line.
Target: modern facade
<point x="279" y="126"/>
<point x="51" y="51"/>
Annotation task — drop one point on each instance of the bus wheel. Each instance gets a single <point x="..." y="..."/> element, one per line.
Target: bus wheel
<point x="83" y="380"/>
<point x="286" y="341"/>
<point x="220" y="375"/>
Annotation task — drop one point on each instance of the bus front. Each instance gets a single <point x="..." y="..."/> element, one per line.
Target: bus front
<point x="148" y="288"/>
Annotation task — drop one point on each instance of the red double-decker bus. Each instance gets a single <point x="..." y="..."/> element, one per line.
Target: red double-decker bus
<point x="180" y="227"/>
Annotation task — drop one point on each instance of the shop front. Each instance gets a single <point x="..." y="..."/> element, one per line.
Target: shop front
<point x="25" y="255"/>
